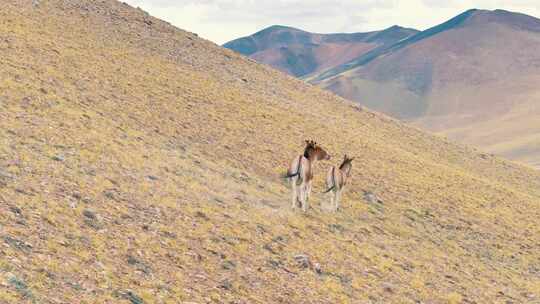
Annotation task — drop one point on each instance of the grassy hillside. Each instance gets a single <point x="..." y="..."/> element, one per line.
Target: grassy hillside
<point x="140" y="164"/>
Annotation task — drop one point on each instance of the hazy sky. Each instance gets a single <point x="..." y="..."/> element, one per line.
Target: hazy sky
<point x="224" y="20"/>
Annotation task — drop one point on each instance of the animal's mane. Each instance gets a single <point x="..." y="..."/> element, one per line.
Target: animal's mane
<point x="309" y="148"/>
<point x="345" y="162"/>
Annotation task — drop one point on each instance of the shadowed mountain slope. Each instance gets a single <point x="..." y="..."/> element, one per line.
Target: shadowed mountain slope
<point x="141" y="164"/>
<point x="300" y="53"/>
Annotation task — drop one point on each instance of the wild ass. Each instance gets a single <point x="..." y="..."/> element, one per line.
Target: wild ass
<point x="300" y="173"/>
<point x="336" y="180"/>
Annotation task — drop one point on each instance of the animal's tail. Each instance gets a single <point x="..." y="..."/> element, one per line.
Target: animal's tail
<point x="331" y="188"/>
<point x="289" y="175"/>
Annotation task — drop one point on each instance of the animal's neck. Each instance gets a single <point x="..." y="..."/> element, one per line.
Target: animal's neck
<point x="345" y="170"/>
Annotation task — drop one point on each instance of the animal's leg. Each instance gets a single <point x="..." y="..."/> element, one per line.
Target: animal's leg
<point x="334" y="200"/>
<point x="338" y="199"/>
<point x="308" y="191"/>
<point x="303" y="188"/>
<point x="330" y="206"/>
<point x="294" y="193"/>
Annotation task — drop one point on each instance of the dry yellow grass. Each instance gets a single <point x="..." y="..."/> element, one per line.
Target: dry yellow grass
<point x="141" y="164"/>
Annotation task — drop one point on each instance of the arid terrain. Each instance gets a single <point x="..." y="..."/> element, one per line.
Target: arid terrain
<point x="141" y="164"/>
<point x="473" y="78"/>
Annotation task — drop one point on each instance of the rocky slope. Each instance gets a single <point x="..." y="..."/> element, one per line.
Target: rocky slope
<point x="141" y="164"/>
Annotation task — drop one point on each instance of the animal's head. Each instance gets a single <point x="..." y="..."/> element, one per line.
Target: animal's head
<point x="315" y="151"/>
<point x="346" y="164"/>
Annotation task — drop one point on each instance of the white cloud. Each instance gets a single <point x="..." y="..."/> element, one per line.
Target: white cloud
<point x="224" y="20"/>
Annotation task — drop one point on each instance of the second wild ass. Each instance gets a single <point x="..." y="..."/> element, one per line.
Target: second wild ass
<point x="336" y="180"/>
<point x="300" y="173"/>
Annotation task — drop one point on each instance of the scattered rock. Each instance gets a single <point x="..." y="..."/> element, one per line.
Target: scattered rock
<point x="87" y="200"/>
<point x="201" y="215"/>
<point x="343" y="279"/>
<point x="13" y="242"/>
<point x="303" y="261"/>
<point x="141" y="266"/>
<point x="336" y="228"/>
<point x="486" y="155"/>
<point x="242" y="177"/>
<point x="357" y="107"/>
<point x="226" y="284"/>
<point x="58" y="158"/>
<point x="269" y="248"/>
<point x="92" y="219"/>
<point x="270" y="204"/>
<point x="152" y="177"/>
<point x="72" y="204"/>
<point x="47" y="273"/>
<point x="75" y="286"/>
<point x="275" y="264"/>
<point x="20" y="286"/>
<point x="170" y="235"/>
<point x="130" y="296"/>
<point x="276" y="245"/>
<point x="90" y="214"/>
<point x="317" y="268"/>
<point x="371" y="197"/>
<point x="389" y="288"/>
<point x="112" y="194"/>
<point x="16" y="210"/>
<point x="528" y="295"/>
<point x="228" y="265"/>
<point x="5" y="175"/>
<point x="24" y="192"/>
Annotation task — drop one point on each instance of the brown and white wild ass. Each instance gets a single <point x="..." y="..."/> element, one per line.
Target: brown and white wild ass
<point x="300" y="173"/>
<point x="336" y="180"/>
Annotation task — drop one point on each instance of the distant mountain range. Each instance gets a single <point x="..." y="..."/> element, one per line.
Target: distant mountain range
<point x="474" y="77"/>
<point x="300" y="53"/>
